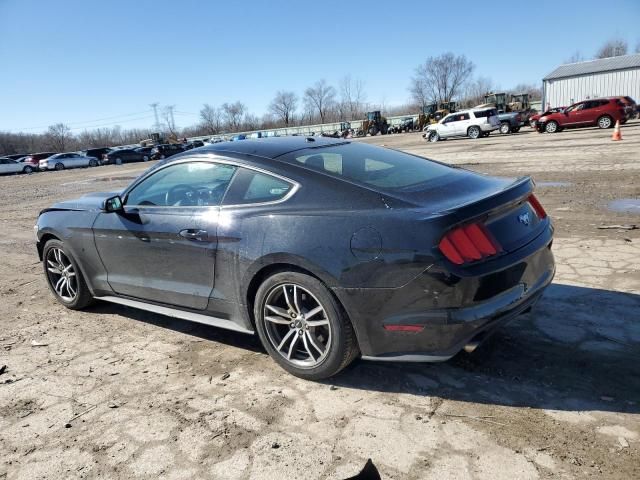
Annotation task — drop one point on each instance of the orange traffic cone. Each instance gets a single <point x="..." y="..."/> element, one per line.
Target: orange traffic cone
<point x="616" y="132"/>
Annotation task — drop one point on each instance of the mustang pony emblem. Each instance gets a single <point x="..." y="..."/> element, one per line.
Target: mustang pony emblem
<point x="524" y="219"/>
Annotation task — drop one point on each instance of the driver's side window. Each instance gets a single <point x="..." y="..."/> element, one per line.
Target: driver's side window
<point x="184" y="184"/>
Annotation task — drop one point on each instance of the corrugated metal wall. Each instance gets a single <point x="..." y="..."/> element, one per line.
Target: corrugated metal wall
<point x="565" y="91"/>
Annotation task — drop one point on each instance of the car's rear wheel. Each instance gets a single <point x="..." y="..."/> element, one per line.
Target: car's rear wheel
<point x="473" y="132"/>
<point x="302" y="326"/>
<point x="27" y="169"/>
<point x="505" y="128"/>
<point x="515" y="129"/>
<point x="64" y="277"/>
<point x="605" y="121"/>
<point x="551" y="127"/>
<point x="59" y="166"/>
<point x="433" y="137"/>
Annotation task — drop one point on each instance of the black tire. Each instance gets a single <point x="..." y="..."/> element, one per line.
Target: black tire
<point x="59" y="166"/>
<point x="118" y="161"/>
<point x="551" y="127"/>
<point x="505" y="128"/>
<point x="433" y="137"/>
<point x="605" y="121"/>
<point x="93" y="163"/>
<point x="473" y="132"/>
<point x="515" y="129"/>
<point x="28" y="169"/>
<point x="373" y="131"/>
<point x="341" y="348"/>
<point x="83" y="297"/>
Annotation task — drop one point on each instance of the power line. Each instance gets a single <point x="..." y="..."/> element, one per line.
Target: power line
<point x="146" y="117"/>
<point x="87" y="121"/>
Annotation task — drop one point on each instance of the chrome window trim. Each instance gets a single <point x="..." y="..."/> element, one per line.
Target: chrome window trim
<point x="211" y="158"/>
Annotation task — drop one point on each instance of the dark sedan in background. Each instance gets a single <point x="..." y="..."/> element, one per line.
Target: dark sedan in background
<point x="126" y="155"/>
<point x="328" y="249"/>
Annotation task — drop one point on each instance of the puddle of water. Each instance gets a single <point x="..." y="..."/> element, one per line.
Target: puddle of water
<point x="553" y="184"/>
<point x="625" y="205"/>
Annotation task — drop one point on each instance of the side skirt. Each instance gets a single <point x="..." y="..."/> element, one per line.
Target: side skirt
<point x="176" y="313"/>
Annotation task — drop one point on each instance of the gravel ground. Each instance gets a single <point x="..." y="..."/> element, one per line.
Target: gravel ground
<point x="119" y="393"/>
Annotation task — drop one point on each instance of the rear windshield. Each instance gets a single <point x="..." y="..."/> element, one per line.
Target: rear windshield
<point x="377" y="167"/>
<point x="485" y="113"/>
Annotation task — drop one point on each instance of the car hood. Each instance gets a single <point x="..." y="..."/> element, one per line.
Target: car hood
<point x="88" y="202"/>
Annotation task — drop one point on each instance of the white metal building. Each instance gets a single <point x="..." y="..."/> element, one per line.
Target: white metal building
<point x="604" y="77"/>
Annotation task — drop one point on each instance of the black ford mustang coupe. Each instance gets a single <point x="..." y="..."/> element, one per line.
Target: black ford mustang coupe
<point x="328" y="249"/>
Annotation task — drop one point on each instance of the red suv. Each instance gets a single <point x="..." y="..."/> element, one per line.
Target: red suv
<point x="603" y="112"/>
<point x="33" y="160"/>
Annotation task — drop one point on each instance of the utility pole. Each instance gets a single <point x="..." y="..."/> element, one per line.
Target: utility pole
<point x="156" y="126"/>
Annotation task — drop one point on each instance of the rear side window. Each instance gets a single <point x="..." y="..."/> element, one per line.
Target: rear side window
<point x="485" y="113"/>
<point x="249" y="186"/>
<point x="376" y="167"/>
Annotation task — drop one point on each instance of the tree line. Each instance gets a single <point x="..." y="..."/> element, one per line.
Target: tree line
<point x="441" y="78"/>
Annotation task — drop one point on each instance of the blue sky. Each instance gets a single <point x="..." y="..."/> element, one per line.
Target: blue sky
<point x="100" y="63"/>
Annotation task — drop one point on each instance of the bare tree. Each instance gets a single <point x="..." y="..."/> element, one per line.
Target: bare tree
<point x="420" y="93"/>
<point x="575" y="57"/>
<point x="320" y="97"/>
<point x="211" y="118"/>
<point x="534" y="91"/>
<point x="233" y="114"/>
<point x="613" y="48"/>
<point x="169" y="121"/>
<point x="352" y="97"/>
<point x="59" y="136"/>
<point x="442" y="78"/>
<point x="477" y="89"/>
<point x="284" y="105"/>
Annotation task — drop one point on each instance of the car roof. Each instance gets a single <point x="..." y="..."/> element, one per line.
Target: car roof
<point x="270" y="147"/>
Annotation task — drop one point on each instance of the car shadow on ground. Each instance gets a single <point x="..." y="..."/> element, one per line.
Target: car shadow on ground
<point x="577" y="350"/>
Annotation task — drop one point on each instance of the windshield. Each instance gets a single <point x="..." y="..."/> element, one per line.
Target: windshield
<point x="377" y="167"/>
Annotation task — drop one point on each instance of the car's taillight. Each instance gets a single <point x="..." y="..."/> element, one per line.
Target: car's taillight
<point x="469" y="243"/>
<point x="537" y="207"/>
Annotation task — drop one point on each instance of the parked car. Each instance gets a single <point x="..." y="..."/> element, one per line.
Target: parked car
<point x="97" y="152"/>
<point x="601" y="112"/>
<point x="165" y="150"/>
<point x="193" y="144"/>
<point x="242" y="136"/>
<point x="533" y="119"/>
<point x="472" y="123"/>
<point x="510" y="122"/>
<point x="60" y="161"/>
<point x="446" y="257"/>
<point x="8" y="165"/>
<point x="631" y="108"/>
<point x="33" y="160"/>
<point x="127" y="155"/>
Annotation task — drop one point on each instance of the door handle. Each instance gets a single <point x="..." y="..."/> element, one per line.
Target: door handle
<point x="193" y="234"/>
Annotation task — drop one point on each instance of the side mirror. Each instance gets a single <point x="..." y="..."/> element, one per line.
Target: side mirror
<point x="112" y="204"/>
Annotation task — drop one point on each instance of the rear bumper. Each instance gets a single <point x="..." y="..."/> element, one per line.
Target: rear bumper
<point x="452" y="310"/>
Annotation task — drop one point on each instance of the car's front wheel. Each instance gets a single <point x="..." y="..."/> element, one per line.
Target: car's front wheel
<point x="302" y="326"/>
<point x="64" y="277"/>
<point x="118" y="161"/>
<point x="473" y="132"/>
<point x="28" y="169"/>
<point x="505" y="128"/>
<point x="433" y="137"/>
<point x="59" y="166"/>
<point x="551" y="127"/>
<point x="93" y="163"/>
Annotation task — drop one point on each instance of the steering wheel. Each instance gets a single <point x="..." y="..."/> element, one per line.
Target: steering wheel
<point x="181" y="194"/>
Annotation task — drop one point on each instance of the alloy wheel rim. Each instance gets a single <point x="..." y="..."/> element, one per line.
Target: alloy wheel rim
<point x="605" y="122"/>
<point x="551" y="127"/>
<point x="473" y="133"/>
<point x="296" y="325"/>
<point x="62" y="275"/>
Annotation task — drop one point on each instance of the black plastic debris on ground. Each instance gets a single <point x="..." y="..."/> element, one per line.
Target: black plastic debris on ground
<point x="369" y="472"/>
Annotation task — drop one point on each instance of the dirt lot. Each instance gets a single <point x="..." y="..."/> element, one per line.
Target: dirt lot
<point x="119" y="393"/>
